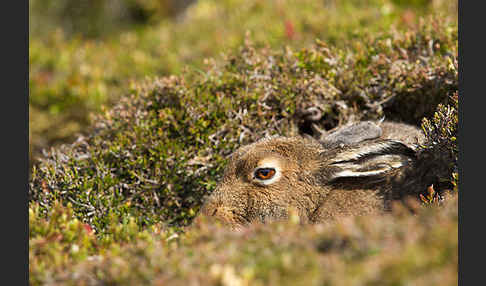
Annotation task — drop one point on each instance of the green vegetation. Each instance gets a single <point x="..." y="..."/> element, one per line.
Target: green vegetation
<point x="362" y="250"/>
<point x="99" y="18"/>
<point x="72" y="76"/>
<point x="116" y="205"/>
<point x="163" y="147"/>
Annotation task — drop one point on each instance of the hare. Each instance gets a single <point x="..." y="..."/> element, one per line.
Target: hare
<point x="356" y="170"/>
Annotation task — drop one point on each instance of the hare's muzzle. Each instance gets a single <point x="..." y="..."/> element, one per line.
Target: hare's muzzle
<point x="215" y="208"/>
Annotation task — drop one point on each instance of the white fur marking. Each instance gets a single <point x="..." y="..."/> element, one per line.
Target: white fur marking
<point x="354" y="155"/>
<point x="349" y="173"/>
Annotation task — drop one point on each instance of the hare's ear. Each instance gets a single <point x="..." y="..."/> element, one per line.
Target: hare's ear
<point x="352" y="134"/>
<point x="370" y="159"/>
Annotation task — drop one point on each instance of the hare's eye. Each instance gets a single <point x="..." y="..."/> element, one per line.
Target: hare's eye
<point x="264" y="173"/>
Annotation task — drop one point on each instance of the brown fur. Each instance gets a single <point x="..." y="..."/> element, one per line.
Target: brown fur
<point x="320" y="181"/>
<point x="405" y="133"/>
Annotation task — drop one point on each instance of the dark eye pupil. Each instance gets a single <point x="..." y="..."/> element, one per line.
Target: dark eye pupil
<point x="265" y="173"/>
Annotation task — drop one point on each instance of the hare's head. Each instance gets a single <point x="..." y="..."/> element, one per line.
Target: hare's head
<point x="264" y="180"/>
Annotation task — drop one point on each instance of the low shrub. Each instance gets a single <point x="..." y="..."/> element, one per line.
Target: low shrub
<point x="116" y="206"/>
<point x="160" y="150"/>
<point x="366" y="250"/>
<point x="71" y="75"/>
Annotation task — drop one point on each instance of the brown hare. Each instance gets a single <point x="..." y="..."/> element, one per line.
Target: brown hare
<point x="355" y="170"/>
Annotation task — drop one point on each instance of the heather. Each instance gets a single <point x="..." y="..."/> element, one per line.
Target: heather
<point x="149" y="116"/>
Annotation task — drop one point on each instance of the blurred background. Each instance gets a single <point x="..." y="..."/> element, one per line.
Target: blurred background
<point x="85" y="55"/>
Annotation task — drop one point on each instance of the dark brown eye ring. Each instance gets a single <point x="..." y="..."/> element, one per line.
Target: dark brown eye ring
<point x="264" y="173"/>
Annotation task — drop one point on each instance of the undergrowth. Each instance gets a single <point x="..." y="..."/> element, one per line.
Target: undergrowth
<point x="161" y="149"/>
<point x="116" y="205"/>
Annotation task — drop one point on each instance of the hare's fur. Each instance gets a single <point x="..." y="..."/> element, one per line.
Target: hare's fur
<point x="354" y="173"/>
